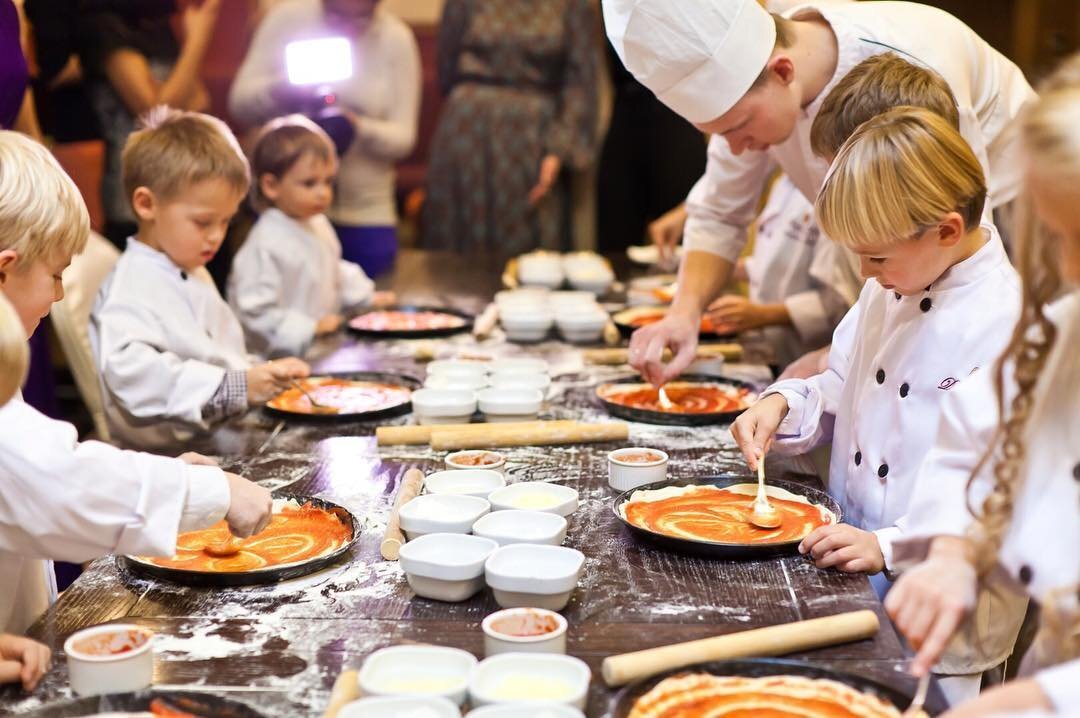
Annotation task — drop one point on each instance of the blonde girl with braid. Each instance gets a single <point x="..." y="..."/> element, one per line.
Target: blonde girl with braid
<point x="1022" y="529"/>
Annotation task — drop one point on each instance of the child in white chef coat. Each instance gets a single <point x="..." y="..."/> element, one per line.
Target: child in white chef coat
<point x="170" y="351"/>
<point x="288" y="282"/>
<point x="1021" y="472"/>
<point x="61" y="498"/>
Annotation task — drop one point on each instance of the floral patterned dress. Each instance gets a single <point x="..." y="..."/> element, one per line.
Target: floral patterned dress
<point x="520" y="80"/>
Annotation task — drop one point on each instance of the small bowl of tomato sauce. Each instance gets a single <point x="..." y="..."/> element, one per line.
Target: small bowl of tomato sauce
<point x="524" y="630"/>
<point x="111" y="658"/>
<point x="636" y="466"/>
<point x="476" y="459"/>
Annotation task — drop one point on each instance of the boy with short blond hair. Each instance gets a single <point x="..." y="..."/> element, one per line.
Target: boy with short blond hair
<point x="170" y="351"/>
<point x="61" y="498"/>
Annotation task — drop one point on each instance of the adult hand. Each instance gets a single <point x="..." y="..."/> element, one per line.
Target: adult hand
<point x="678" y="331"/>
<point x="809" y="364"/>
<point x="753" y="429"/>
<point x="666" y="231"/>
<point x="929" y="601"/>
<point x="549" y="172"/>
<point x="23" y="660"/>
<point x="732" y="313"/>
<point x="844" y="547"/>
<point x="265" y="381"/>
<point x="250" y="506"/>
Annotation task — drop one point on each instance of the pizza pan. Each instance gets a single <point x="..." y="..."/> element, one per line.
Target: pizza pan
<point x="624" y="318"/>
<point x="648" y="416"/>
<point x="269" y="574"/>
<point x="758" y="667"/>
<point x="199" y="705"/>
<point x="716" y="549"/>
<point x="412" y="333"/>
<point x="404" y="380"/>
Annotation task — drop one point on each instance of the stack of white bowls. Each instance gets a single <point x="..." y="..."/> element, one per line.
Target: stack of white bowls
<point x="503" y="390"/>
<point x="588" y="271"/>
<point x="541" y="269"/>
<point x="527" y="315"/>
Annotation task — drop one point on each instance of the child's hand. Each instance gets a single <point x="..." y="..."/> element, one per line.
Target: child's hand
<point x="194" y="459"/>
<point x="738" y="314"/>
<point x="383" y="299"/>
<point x="929" y="601"/>
<point x="250" y="506"/>
<point x="844" y="547"/>
<point x="754" y="428"/>
<point x="23" y="660"/>
<point x="265" y="381"/>
<point x="328" y="324"/>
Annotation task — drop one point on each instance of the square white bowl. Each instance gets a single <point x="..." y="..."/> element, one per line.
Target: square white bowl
<point x="519" y="365"/>
<point x="522" y="575"/>
<point x="400" y="707"/>
<point x="510" y="402"/>
<point x="441" y="513"/>
<point x="456" y="367"/>
<point x="446" y="567"/>
<point x="507" y="631"/>
<point x="418" y="671"/>
<point x="526" y="677"/>
<point x="625" y="475"/>
<point x="535" y="496"/>
<point x="518" y="526"/>
<point x="443" y="405"/>
<point x="452" y="382"/>
<point x="110" y="658"/>
<point x="467" y="482"/>
<point x="515" y="380"/>
<point x="525" y="710"/>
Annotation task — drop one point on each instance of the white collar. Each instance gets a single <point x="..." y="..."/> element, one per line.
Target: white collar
<point x="143" y="250"/>
<point x="849" y="53"/>
<point x="987" y="259"/>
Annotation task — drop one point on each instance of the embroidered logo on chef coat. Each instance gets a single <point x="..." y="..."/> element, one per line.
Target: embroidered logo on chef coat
<point x="947" y="384"/>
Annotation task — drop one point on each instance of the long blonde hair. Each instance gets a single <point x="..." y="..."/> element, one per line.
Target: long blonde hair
<point x="898" y="175"/>
<point x="14" y="355"/>
<point x="1050" y="132"/>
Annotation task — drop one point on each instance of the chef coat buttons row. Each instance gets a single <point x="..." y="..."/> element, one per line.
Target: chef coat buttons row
<point x="925" y="304"/>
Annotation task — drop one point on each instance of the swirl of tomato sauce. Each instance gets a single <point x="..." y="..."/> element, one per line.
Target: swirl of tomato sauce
<point x="344" y="395"/>
<point x="707" y="513"/>
<point x="687" y="398"/>
<point x="396" y="321"/>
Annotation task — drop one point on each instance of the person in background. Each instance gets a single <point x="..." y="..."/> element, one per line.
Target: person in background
<point x="132" y="61"/>
<point x="997" y="499"/>
<point x="519" y="78"/>
<point x="381" y="101"/>
<point x="289" y="283"/>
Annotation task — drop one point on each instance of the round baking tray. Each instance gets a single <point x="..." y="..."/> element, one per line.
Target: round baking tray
<point x="716" y="549"/>
<point x="202" y="705"/>
<point x="269" y="574"/>
<point x="648" y="416"/>
<point x="409" y="382"/>
<point x="412" y="333"/>
<point x="622" y="322"/>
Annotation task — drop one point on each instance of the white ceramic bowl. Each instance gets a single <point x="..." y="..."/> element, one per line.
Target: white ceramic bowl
<point x="511" y="404"/>
<point x="536" y="496"/>
<point x="625" y="474"/>
<point x="112" y="658"/>
<point x="418" y="671"/>
<point x="443" y="406"/>
<point x="476" y="459"/>
<point x="441" y="513"/>
<point x="710" y="366"/>
<point x="401" y="707"/>
<point x="582" y="326"/>
<point x="528" y="678"/>
<point x="456" y="383"/>
<point x="564" y="300"/>
<point x="524" y="630"/>
<point x="514" y="380"/>
<point x="468" y="482"/>
<point x="525" y="575"/>
<point x="517" y="526"/>
<point x="526" y="325"/>
<point x="446" y="567"/>
<point x="456" y="367"/>
<point x="525" y="710"/>
<point x="519" y="365"/>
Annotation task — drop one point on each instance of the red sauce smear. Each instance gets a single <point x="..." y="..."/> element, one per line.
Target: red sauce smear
<point x="160" y="708"/>
<point x="710" y="514"/>
<point x="481" y="459"/>
<point x="525" y="625"/>
<point x="343" y="395"/>
<point x="294" y="534"/>
<point x="112" y="644"/>
<point x="708" y="326"/>
<point x="397" y="321"/>
<point x="643" y="457"/>
<point x="687" y="398"/>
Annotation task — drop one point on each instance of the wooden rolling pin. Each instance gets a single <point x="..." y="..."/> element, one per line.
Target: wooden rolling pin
<point x="393" y="538"/>
<point x="414" y="435"/>
<point x="771" y="641"/>
<point x="544" y="435"/>
<point x="620" y="355"/>
<point x="486" y="322"/>
<point x="346" y="689"/>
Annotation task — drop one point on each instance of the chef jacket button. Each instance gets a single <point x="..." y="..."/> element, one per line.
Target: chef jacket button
<point x="883" y="470"/>
<point x="183" y="275"/>
<point x="897" y="295"/>
<point x="858" y="458"/>
<point x="905" y="388"/>
<point x="1076" y="472"/>
<point x="1025" y="574"/>
<point x="880" y="376"/>
<point x="925" y="304"/>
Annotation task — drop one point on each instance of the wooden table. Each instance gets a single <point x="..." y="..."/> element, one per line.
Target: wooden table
<point x="279" y="648"/>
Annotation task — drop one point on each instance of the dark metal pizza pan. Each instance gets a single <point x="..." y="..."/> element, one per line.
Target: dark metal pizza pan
<point x="202" y="705"/>
<point x="413" y="333"/>
<point x="648" y="416"/>
<point x="716" y="549"/>
<point x="622" y="320"/>
<point x="270" y="574"/>
<point x="409" y="382"/>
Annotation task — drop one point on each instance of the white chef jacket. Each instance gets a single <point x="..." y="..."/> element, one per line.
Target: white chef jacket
<point x="791" y="265"/>
<point x="163" y="342"/>
<point x="989" y="90"/>
<point x="66" y="500"/>
<point x="1041" y="548"/>
<point x="287" y="276"/>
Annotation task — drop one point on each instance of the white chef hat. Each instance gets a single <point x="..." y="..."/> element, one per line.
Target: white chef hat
<point x="699" y="57"/>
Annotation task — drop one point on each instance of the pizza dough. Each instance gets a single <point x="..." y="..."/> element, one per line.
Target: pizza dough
<point x="701" y="695"/>
<point x="708" y="513"/>
<point x="389" y="320"/>
<point x="687" y="397"/>
<point x="344" y="396"/>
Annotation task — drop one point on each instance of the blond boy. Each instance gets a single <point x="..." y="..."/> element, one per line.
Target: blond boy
<point x="170" y="351"/>
<point x="61" y="498"/>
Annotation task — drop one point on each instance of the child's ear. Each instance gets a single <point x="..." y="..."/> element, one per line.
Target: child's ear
<point x="782" y="67"/>
<point x="8" y="258"/>
<point x="144" y="203"/>
<point x="270" y="186"/>
<point x="951" y="229"/>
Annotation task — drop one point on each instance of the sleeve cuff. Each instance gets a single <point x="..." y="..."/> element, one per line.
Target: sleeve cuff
<point x="207" y="498"/>
<point x="1061" y="684"/>
<point x="885" y="538"/>
<point x="792" y="422"/>
<point x="717" y="238"/>
<point x="809" y="318"/>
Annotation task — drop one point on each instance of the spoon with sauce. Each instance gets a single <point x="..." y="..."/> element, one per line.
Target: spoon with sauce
<point x="763" y="514"/>
<point x="316" y="407"/>
<point x="229" y="547"/>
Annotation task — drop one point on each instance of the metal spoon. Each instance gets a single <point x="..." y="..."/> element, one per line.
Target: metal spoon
<point x="665" y="402"/>
<point x="762" y="513"/>
<point x="316" y="407"/>
<point x="915" y="710"/>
